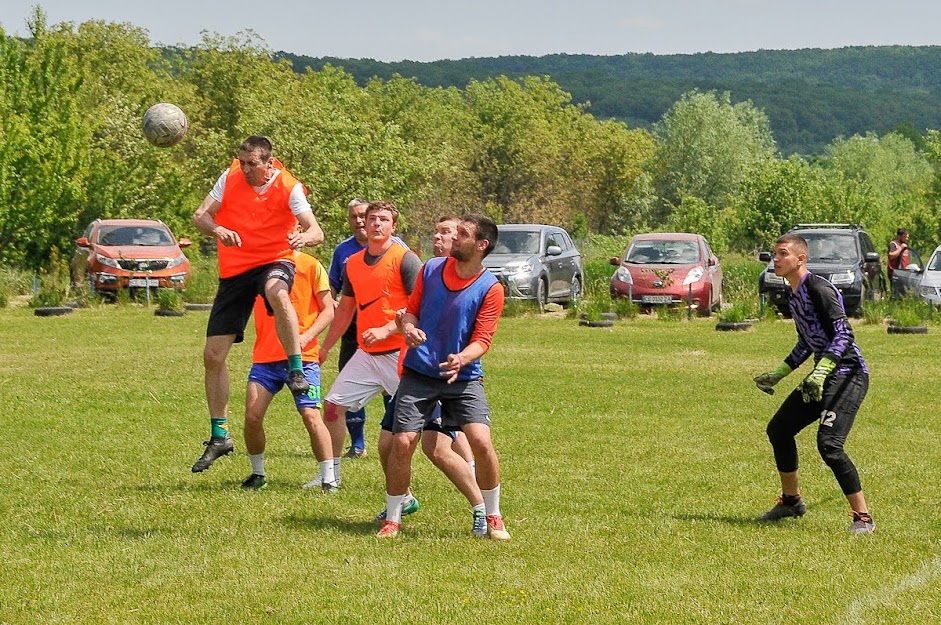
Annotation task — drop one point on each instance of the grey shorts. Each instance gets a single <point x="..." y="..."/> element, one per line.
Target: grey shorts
<point x="462" y="402"/>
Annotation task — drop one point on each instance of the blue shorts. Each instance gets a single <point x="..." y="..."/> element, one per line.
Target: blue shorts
<point x="274" y="375"/>
<point x="435" y="425"/>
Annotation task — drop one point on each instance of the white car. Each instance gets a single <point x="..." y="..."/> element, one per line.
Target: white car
<point x="930" y="286"/>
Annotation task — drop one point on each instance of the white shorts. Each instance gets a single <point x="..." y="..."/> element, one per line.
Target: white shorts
<point x="363" y="377"/>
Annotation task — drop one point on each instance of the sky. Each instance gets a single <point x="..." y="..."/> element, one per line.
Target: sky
<point x="426" y="30"/>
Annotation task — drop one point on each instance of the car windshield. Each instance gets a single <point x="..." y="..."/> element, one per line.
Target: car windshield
<point x="133" y="235"/>
<point x="663" y="253"/>
<point x="517" y="242"/>
<point x="829" y="246"/>
<point x="935" y="263"/>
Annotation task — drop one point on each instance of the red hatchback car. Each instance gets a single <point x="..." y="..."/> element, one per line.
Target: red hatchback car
<point x="130" y="253"/>
<point x="669" y="269"/>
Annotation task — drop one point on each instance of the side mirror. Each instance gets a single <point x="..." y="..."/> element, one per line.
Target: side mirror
<point x="82" y="242"/>
<point x="872" y="257"/>
<point x="713" y="261"/>
<point x="615" y="261"/>
<point x="764" y="257"/>
<point x="913" y="268"/>
<point x="553" y="250"/>
<point x="184" y="243"/>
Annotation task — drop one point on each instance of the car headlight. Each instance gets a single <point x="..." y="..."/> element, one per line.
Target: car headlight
<point x="844" y="277"/>
<point x="772" y="278"/>
<point x="624" y="275"/>
<point x="107" y="262"/>
<point x="695" y="275"/>
<point x="520" y="267"/>
<point x="927" y="291"/>
<point x="176" y="262"/>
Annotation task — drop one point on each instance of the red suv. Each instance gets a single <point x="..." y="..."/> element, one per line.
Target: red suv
<point x="130" y="253"/>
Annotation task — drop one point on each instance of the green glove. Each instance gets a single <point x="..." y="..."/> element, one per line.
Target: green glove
<point x="812" y="386"/>
<point x="766" y="381"/>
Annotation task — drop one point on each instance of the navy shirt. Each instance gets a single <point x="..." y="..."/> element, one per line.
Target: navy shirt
<point x="822" y="326"/>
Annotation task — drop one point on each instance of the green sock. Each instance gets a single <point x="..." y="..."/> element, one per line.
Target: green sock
<point x="220" y="427"/>
<point x="294" y="363"/>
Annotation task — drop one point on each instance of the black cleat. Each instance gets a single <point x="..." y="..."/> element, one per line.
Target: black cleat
<point x="783" y="510"/>
<point x="255" y="482"/>
<point x="216" y="447"/>
<point x="298" y="383"/>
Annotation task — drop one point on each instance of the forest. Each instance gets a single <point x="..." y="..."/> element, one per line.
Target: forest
<point x="516" y="146"/>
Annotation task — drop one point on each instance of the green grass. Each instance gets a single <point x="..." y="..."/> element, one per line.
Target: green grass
<point x="634" y="460"/>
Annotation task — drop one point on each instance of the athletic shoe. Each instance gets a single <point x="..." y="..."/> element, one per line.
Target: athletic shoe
<point x="782" y="510"/>
<point x="255" y="482"/>
<point x="495" y="528"/>
<point x="216" y="447"/>
<point x="409" y="508"/>
<point x="317" y="482"/>
<point x="297" y="383"/>
<point x="389" y="529"/>
<point x="862" y="523"/>
<point x="479" y="527"/>
<point x="330" y="488"/>
<point x="355" y="452"/>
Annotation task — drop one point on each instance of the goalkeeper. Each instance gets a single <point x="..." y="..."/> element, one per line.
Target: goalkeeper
<point x="831" y="394"/>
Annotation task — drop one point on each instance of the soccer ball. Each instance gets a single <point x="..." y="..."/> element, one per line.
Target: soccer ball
<point x="164" y="124"/>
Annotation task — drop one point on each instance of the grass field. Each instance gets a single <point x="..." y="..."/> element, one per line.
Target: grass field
<point x="634" y="460"/>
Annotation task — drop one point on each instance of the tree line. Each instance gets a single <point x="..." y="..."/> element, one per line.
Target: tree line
<point x="517" y="148"/>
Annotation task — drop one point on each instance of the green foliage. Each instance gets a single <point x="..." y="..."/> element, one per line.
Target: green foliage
<point x="169" y="299"/>
<point x="740" y="278"/>
<point x="738" y="312"/>
<point x="53" y="283"/>
<point x="876" y="312"/>
<point x="204" y="279"/>
<point x="909" y="311"/>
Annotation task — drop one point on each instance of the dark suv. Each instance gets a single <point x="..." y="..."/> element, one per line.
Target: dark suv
<point x="841" y="253"/>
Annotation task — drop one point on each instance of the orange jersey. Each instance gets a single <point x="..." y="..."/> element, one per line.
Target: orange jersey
<point x="263" y="221"/>
<point x="380" y="292"/>
<point x="309" y="280"/>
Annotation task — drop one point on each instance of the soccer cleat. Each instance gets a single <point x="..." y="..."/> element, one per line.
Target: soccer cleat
<point x="782" y="510"/>
<point x="330" y="488"/>
<point x="495" y="528"/>
<point x="297" y="383"/>
<point x="355" y="452"/>
<point x="862" y="523"/>
<point x="216" y="447"/>
<point x="411" y="507"/>
<point x="317" y="482"/>
<point x="479" y="527"/>
<point x="389" y="529"/>
<point x="255" y="482"/>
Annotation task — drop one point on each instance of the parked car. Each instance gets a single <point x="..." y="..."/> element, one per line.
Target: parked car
<point x="537" y="262"/>
<point x="130" y="253"/>
<point x="907" y="279"/>
<point x="930" y="286"/>
<point x="669" y="269"/>
<point x="843" y="254"/>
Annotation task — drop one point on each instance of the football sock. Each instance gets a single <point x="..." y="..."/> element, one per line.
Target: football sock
<point x="394" y="507"/>
<point x="220" y="427"/>
<point x="294" y="363"/>
<point x="492" y="500"/>
<point x="258" y="463"/>
<point x="326" y="471"/>
<point x="790" y="500"/>
<point x="336" y="470"/>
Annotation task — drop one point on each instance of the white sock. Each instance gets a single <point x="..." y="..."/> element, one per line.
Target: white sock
<point x="336" y="471"/>
<point x="408" y="498"/>
<point x="492" y="500"/>
<point x="258" y="463"/>
<point x="394" y="507"/>
<point x="326" y="472"/>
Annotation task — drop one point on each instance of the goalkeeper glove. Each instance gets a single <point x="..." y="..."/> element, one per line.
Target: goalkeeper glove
<point x="766" y="381"/>
<point x="812" y="386"/>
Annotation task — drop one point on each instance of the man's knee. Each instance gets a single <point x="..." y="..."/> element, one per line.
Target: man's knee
<point x="831" y="450"/>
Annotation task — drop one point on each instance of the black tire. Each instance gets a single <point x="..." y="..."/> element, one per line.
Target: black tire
<point x="52" y="311"/>
<point x="907" y="330"/>
<point x="542" y="294"/>
<point x="599" y="323"/>
<point x="733" y="326"/>
<point x="169" y="313"/>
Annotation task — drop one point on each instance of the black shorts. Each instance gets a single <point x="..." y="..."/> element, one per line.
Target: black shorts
<point x="232" y="307"/>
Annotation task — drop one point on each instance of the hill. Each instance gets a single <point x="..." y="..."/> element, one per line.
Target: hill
<point x="811" y="96"/>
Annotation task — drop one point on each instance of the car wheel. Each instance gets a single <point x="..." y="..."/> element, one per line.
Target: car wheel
<point x="576" y="292"/>
<point x="542" y="294"/>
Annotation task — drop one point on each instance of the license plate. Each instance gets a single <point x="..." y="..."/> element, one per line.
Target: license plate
<point x="655" y="299"/>
<point x="134" y="282"/>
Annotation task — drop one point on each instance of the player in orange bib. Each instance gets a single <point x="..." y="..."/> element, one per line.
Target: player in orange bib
<point x="259" y="214"/>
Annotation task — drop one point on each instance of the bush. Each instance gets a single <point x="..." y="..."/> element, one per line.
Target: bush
<point x="53" y="283"/>
<point x="910" y="312"/>
<point x="170" y="299"/>
<point x="204" y="279"/>
<point x="740" y="278"/>
<point x="738" y="312"/>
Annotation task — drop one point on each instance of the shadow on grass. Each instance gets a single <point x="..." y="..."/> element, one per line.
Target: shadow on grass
<point x="327" y="522"/>
<point x="749" y="520"/>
